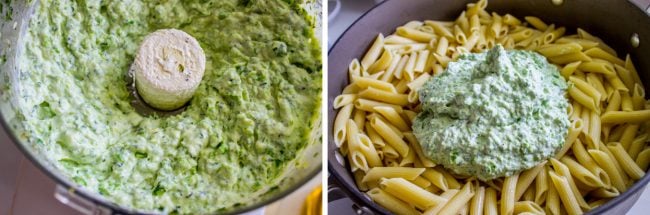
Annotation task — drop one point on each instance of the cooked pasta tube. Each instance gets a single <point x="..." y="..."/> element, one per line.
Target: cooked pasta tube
<point x="618" y="117"/>
<point x="637" y="145"/>
<point x="376" y="173"/>
<point x="426" y="162"/>
<point x="552" y="198"/>
<point x="541" y="186"/>
<point x="391" y="203"/>
<point x="490" y="206"/>
<point x="569" y="201"/>
<point x="368" y="150"/>
<point x="582" y="98"/>
<point x="436" y="178"/>
<point x="581" y="173"/>
<point x="459" y="200"/>
<point x="628" y="134"/>
<point x="643" y="159"/>
<point x="365" y="83"/>
<point x="574" y="130"/>
<point x="393" y="117"/>
<point x="409" y="192"/>
<point x="526" y="179"/>
<point x="628" y="165"/>
<point x="527" y="207"/>
<point x="340" y="124"/>
<point x="585" y="160"/>
<point x="478" y="201"/>
<point x="391" y="137"/>
<point x="383" y="96"/>
<point x="508" y="195"/>
<point x="605" y="162"/>
<point x="373" y="53"/>
<point x="564" y="171"/>
<point x="416" y="35"/>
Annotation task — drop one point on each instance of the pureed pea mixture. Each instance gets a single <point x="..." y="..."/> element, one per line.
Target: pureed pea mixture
<point x="250" y="116"/>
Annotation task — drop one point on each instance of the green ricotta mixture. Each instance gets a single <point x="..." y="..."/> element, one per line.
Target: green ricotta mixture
<point x="248" y="120"/>
<point x="493" y="114"/>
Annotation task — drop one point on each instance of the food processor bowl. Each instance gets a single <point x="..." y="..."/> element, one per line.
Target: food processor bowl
<point x="14" y="26"/>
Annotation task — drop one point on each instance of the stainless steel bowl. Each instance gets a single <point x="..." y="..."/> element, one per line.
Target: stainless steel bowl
<point x="89" y="202"/>
<point x="614" y="21"/>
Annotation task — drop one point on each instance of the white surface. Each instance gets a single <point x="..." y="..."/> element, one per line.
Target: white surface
<point x="353" y="9"/>
<point x="293" y="204"/>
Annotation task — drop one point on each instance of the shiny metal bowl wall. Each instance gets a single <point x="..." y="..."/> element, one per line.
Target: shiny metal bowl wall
<point x="615" y="21"/>
<point x="306" y="165"/>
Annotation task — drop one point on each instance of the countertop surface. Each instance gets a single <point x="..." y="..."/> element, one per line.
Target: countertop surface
<point x="353" y="9"/>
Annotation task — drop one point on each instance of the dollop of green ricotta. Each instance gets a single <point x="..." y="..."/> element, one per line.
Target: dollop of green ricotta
<point x="493" y="114"/>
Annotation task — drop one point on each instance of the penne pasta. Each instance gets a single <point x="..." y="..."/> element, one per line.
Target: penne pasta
<point x="605" y="162"/>
<point x="552" y="198"/>
<point x="459" y="200"/>
<point x="585" y="160"/>
<point x="619" y="117"/>
<point x="340" y="124"/>
<point x="439" y="29"/>
<point x="364" y="83"/>
<point x="581" y="173"/>
<point x="393" y="117"/>
<point x="368" y="150"/>
<point x="478" y="201"/>
<point x="409" y="192"/>
<point x="436" y="178"/>
<point x="569" y="201"/>
<point x="343" y="100"/>
<point x="525" y="179"/>
<point x="586" y="35"/>
<point x="643" y="159"/>
<point x="568" y="70"/>
<point x="527" y="207"/>
<point x="373" y="53"/>
<point x="637" y="146"/>
<point x="553" y="50"/>
<point x="414" y="34"/>
<point x="421" y="61"/>
<point x="541" y="186"/>
<point x="426" y="162"/>
<point x="376" y="173"/>
<point x="382" y="63"/>
<point x="574" y="130"/>
<point x="568" y="58"/>
<point x="369" y="105"/>
<point x="596" y="52"/>
<point x="628" y="165"/>
<point x="390" y="136"/>
<point x="508" y="195"/>
<point x="536" y="23"/>
<point x="391" y="203"/>
<point x="630" y="67"/>
<point x="396" y="39"/>
<point x="490" y="206"/>
<point x="628" y="134"/>
<point x="564" y="171"/>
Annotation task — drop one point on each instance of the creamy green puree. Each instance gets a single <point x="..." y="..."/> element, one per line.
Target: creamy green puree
<point x="493" y="114"/>
<point x="249" y="118"/>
